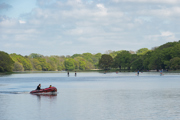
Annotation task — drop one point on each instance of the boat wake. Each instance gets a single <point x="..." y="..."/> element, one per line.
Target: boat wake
<point x="14" y="92"/>
<point x="27" y="92"/>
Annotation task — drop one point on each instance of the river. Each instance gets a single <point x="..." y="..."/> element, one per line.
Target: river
<point x="91" y="96"/>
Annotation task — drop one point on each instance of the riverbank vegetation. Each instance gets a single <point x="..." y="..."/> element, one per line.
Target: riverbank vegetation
<point x="166" y="56"/>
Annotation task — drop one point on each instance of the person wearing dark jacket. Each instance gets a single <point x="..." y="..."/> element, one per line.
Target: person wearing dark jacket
<point x="38" y="87"/>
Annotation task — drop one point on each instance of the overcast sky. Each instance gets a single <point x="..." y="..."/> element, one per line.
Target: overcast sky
<point x="66" y="27"/>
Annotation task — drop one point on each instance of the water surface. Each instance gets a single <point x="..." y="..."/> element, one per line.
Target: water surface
<point x="91" y="96"/>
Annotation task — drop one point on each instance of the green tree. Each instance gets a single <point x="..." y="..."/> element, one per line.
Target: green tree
<point x="88" y="57"/>
<point x="36" y="64"/>
<point x="162" y="54"/>
<point x="167" y="64"/>
<point x="114" y="53"/>
<point x="175" y="51"/>
<point x="146" y="60"/>
<point x="175" y="63"/>
<point x="95" y="59"/>
<point x="123" y="59"/>
<point x="142" y="51"/>
<point x="156" y="61"/>
<point x="69" y="64"/>
<point x="89" y="65"/>
<point x="106" y="61"/>
<point x="76" y="55"/>
<point x="6" y="62"/>
<point x="98" y="56"/>
<point x="23" y="60"/>
<point x="80" y="63"/>
<point x="56" y="62"/>
<point x="51" y="66"/>
<point x="43" y="63"/>
<point x="18" y="67"/>
<point x="137" y="64"/>
<point x="1" y="69"/>
<point x="35" y="55"/>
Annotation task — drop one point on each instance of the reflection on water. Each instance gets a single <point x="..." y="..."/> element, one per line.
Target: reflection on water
<point x="45" y="96"/>
<point x="49" y="96"/>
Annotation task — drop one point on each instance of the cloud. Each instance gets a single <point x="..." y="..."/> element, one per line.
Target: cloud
<point x="5" y="6"/>
<point x="65" y="27"/>
<point x="22" y="21"/>
<point x="6" y="22"/>
<point x="165" y="12"/>
<point x="166" y="36"/>
<point x="150" y="1"/>
<point x="167" y="33"/>
<point x="103" y="10"/>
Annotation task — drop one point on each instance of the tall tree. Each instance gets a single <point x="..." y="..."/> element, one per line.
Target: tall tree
<point x="123" y="59"/>
<point x="156" y="60"/>
<point x="106" y="61"/>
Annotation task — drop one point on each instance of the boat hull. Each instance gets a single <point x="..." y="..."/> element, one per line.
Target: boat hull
<point x="46" y="90"/>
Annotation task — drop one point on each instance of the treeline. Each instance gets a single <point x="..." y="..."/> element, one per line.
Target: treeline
<point x="38" y="62"/>
<point x="166" y="56"/>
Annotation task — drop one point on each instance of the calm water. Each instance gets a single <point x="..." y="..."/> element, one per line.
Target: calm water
<point x="91" y="96"/>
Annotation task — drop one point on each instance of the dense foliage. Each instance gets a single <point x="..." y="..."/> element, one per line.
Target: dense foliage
<point x="106" y="61"/>
<point x="6" y="62"/>
<point x="166" y="56"/>
<point x="38" y="62"/>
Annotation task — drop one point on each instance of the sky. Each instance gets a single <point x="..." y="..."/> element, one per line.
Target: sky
<point x="67" y="27"/>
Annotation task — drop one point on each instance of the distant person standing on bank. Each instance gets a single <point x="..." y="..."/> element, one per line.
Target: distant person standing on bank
<point x="75" y="73"/>
<point x="138" y="73"/>
<point x="68" y="73"/>
<point x="160" y="72"/>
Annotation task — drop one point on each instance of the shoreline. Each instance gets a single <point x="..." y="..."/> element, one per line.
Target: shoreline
<point x="94" y="70"/>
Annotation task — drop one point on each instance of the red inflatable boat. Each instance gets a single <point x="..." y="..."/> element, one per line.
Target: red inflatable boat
<point x="46" y="90"/>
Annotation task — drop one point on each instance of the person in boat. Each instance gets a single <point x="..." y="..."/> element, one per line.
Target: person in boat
<point x="38" y="87"/>
<point x="50" y="86"/>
